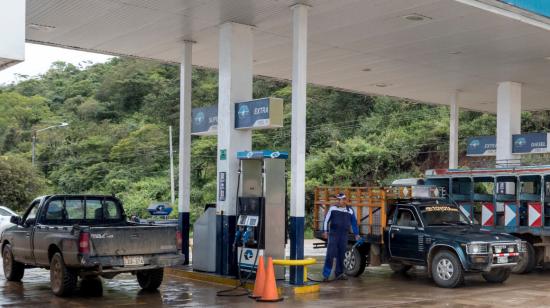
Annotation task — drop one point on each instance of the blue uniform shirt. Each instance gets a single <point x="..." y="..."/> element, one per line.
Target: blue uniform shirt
<point x="339" y="220"/>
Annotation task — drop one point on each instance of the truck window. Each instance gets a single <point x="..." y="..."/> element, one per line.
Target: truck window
<point x="440" y="214"/>
<point x="112" y="210"/>
<point x="405" y="217"/>
<point x="94" y="209"/>
<point x="75" y="209"/>
<point x="54" y="213"/>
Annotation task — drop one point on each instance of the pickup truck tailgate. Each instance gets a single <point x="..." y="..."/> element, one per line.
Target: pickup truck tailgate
<point x="134" y="240"/>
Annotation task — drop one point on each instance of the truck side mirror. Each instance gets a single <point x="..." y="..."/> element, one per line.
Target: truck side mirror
<point x="16" y="220"/>
<point x="413" y="223"/>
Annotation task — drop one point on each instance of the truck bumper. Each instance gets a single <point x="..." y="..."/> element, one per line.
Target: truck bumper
<point x="485" y="263"/>
<point x="115" y="264"/>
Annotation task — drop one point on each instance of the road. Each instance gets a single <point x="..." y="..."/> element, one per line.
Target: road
<point x="378" y="287"/>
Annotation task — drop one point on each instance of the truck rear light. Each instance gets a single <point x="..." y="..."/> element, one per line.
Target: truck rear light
<point x="84" y="243"/>
<point x="178" y="240"/>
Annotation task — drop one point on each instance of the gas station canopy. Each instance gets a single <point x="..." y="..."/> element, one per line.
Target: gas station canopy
<point x="422" y="50"/>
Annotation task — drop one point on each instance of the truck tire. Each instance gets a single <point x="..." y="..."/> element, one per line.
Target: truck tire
<point x="13" y="270"/>
<point x="497" y="275"/>
<point x="399" y="268"/>
<point x="354" y="262"/>
<point x="150" y="280"/>
<point x="446" y="269"/>
<point x="63" y="280"/>
<point x="528" y="262"/>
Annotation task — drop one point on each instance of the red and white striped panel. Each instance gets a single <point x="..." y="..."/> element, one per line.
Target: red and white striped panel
<point x="535" y="214"/>
<point x="487" y="214"/>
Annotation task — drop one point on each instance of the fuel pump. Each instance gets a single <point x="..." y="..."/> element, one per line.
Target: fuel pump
<point x="261" y="209"/>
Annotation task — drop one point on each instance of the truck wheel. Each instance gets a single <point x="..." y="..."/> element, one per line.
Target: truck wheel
<point x="150" y="280"/>
<point x="528" y="262"/>
<point x="63" y="280"/>
<point x="354" y="262"/>
<point x="447" y="271"/>
<point x="497" y="275"/>
<point x="13" y="270"/>
<point x="399" y="268"/>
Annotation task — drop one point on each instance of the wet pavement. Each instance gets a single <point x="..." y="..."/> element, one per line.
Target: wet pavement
<point x="378" y="287"/>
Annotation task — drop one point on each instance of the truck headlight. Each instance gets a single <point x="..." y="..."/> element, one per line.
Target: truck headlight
<point x="477" y="248"/>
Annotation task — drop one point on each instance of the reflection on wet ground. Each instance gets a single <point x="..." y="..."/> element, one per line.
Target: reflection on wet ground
<point x="377" y="287"/>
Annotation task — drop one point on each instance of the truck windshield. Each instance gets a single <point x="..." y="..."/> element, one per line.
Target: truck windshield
<point x="442" y="215"/>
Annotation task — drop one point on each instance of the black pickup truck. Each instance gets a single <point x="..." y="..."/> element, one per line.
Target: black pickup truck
<point x="427" y="233"/>
<point x="87" y="236"/>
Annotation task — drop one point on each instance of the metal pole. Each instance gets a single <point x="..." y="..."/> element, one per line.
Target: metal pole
<point x="33" y="147"/>
<point x="172" y="190"/>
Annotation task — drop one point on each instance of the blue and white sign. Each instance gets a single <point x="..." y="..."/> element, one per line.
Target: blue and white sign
<point x="259" y="114"/>
<point x="530" y="143"/>
<point x="262" y="154"/>
<point x="482" y="146"/>
<point x="205" y="121"/>
<point x="159" y="209"/>
<point x="540" y="7"/>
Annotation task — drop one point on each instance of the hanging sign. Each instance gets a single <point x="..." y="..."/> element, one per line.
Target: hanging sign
<point x="205" y="121"/>
<point x="260" y="113"/>
<point x="530" y="143"/>
<point x="482" y="146"/>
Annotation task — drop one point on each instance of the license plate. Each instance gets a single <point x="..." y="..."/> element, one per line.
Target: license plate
<point x="133" y="260"/>
<point x="502" y="260"/>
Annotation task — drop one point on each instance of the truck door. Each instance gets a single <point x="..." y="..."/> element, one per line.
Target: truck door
<point x="49" y="222"/>
<point x="22" y="236"/>
<point x="406" y="241"/>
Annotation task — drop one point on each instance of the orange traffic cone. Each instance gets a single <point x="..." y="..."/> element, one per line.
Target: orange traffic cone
<point x="260" y="279"/>
<point x="270" y="293"/>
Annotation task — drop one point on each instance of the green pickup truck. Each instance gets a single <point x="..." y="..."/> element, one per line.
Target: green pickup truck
<point x="87" y="236"/>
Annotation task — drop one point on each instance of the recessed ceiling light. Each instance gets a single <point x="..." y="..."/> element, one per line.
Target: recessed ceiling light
<point x="366" y="69"/>
<point x="44" y="28"/>
<point x="455" y="52"/>
<point x="381" y="85"/>
<point x="416" y="17"/>
<point x="547" y="58"/>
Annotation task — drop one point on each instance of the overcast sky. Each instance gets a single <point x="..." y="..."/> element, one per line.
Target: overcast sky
<point x="38" y="59"/>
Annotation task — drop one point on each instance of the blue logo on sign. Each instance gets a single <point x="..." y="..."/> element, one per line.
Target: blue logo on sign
<point x="275" y="154"/>
<point x="520" y="142"/>
<point x="199" y="118"/>
<point x="244" y="111"/>
<point x="248" y="254"/>
<point x="475" y="143"/>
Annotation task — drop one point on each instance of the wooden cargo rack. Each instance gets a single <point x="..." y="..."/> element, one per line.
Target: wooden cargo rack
<point x="371" y="205"/>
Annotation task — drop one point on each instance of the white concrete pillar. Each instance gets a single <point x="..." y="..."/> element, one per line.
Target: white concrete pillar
<point x="12" y="32"/>
<point x="184" y="165"/>
<point x="235" y="85"/>
<point x="453" y="131"/>
<point x="508" y="120"/>
<point x="298" y="138"/>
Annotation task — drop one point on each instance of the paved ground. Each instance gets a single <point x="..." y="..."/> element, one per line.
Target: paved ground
<point x="378" y="287"/>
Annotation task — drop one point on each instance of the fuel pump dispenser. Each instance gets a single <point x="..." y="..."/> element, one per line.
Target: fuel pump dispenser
<point x="261" y="209"/>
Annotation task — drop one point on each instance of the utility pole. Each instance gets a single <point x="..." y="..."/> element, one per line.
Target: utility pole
<point x="33" y="146"/>
<point x="172" y="193"/>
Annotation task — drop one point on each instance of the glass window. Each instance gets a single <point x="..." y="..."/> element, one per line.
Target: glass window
<point x="405" y="217"/>
<point x="112" y="210"/>
<point x="94" y="209"/>
<point x="75" y="209"/>
<point x="55" y="211"/>
<point x="441" y="214"/>
<point x="32" y="213"/>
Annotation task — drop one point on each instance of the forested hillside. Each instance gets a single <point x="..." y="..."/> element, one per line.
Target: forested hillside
<point x="117" y="140"/>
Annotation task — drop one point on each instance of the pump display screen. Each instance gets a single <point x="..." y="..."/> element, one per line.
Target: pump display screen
<point x="253" y="221"/>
